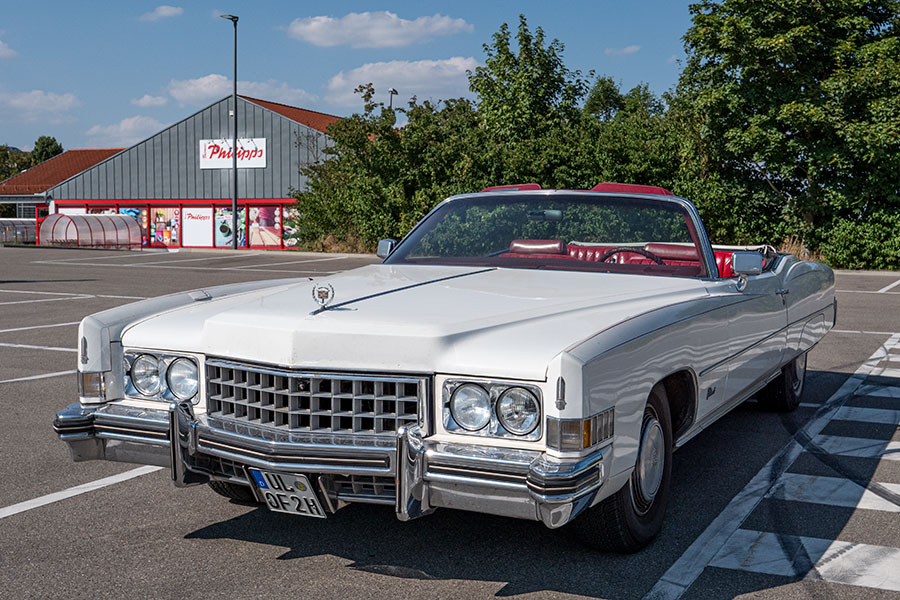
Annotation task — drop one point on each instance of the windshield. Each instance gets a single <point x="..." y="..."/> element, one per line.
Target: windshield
<point x="583" y="232"/>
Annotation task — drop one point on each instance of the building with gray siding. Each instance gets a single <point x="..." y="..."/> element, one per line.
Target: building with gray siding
<point x="177" y="183"/>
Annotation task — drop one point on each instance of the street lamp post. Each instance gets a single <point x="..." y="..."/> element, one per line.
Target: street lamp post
<point x="234" y="144"/>
<point x="391" y="92"/>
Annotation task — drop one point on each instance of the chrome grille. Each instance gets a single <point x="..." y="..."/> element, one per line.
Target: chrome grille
<point x="313" y="402"/>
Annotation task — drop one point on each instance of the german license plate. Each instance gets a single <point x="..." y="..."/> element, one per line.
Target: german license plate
<point x="287" y="493"/>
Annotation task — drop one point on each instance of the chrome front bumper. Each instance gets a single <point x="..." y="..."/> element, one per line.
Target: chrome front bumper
<point x="427" y="475"/>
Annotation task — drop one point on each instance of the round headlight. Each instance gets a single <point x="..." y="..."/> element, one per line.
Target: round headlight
<point x="183" y="378"/>
<point x="470" y="406"/>
<point x="518" y="411"/>
<point x="145" y="374"/>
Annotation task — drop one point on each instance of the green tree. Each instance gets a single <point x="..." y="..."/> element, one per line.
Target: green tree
<point x="12" y="162"/>
<point x="604" y="99"/>
<point x="525" y="92"/>
<point x="796" y="103"/>
<point x="45" y="148"/>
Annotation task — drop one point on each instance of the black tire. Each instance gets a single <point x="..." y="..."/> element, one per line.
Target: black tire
<point x="233" y="491"/>
<point x="630" y="519"/>
<point x="782" y="394"/>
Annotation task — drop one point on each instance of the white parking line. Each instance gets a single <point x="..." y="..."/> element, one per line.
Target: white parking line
<point x="44" y="300"/>
<point x="832" y="491"/>
<point x="38" y="327"/>
<point x="254" y="268"/>
<point x="44" y="376"/>
<point x="184" y="260"/>
<point x="290" y="262"/>
<point x="690" y="565"/>
<point x="68" y="295"/>
<point x="869" y="415"/>
<point x="858" y="447"/>
<point x="30" y="347"/>
<point x="867" y="292"/>
<point x="777" y="554"/>
<point x="862" y="332"/>
<point x="75" y="491"/>
<point x="40" y="293"/>
<point x="889" y="287"/>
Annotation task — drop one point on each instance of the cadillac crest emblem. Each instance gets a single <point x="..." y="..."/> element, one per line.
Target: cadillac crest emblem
<point x="323" y="293"/>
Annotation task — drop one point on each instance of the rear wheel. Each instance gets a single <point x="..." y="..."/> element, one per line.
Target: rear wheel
<point x="783" y="393"/>
<point x="233" y="491"/>
<point x="630" y="519"/>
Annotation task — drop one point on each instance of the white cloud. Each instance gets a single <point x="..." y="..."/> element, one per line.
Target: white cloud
<point x="162" y="11"/>
<point x="126" y="132"/>
<point x="206" y="89"/>
<point x="618" y="51"/>
<point x="672" y="59"/>
<point x="6" y="51"/>
<point x="37" y="105"/>
<point x="374" y="29"/>
<point x="425" y="79"/>
<point x="147" y="100"/>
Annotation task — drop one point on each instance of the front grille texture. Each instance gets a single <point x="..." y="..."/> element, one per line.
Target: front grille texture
<point x="313" y="402"/>
<point x="364" y="489"/>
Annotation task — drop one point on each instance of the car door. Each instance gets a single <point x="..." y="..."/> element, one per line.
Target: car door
<point x="757" y="331"/>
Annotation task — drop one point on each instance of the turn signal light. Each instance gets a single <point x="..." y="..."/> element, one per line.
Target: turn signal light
<point x="580" y="434"/>
<point x="91" y="387"/>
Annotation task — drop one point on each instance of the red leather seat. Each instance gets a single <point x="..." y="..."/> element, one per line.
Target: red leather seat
<point x="588" y="253"/>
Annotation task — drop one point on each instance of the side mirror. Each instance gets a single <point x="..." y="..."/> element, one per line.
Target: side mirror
<point x="747" y="263"/>
<point x="385" y="247"/>
<point x="744" y="264"/>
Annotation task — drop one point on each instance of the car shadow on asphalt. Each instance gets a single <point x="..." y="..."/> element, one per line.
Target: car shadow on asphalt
<point x="446" y="545"/>
<point x="527" y="556"/>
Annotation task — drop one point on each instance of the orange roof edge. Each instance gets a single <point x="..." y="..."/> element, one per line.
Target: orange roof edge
<point x="311" y="118"/>
<point x="55" y="170"/>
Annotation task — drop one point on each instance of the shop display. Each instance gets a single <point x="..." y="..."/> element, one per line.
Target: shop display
<point x="265" y="226"/>
<point x="139" y="215"/>
<point x="289" y="226"/>
<point x="165" y="226"/>
<point x="223" y="224"/>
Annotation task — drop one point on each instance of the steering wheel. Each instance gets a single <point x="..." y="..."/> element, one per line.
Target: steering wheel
<point x="640" y="251"/>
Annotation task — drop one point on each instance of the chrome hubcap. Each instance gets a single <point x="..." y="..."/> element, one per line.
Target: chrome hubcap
<point x="799" y="373"/>
<point x="650" y="464"/>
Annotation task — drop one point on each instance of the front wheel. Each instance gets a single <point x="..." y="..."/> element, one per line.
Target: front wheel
<point x="783" y="393"/>
<point x="630" y="519"/>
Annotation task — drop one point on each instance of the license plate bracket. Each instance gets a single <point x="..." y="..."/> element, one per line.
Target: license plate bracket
<point x="289" y="493"/>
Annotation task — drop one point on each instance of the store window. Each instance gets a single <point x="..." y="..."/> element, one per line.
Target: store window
<point x="223" y="227"/>
<point x="290" y="216"/>
<point x="265" y="226"/>
<point x="165" y="226"/>
<point x="140" y="215"/>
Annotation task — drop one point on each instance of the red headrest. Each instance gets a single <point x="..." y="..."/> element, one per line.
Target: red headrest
<point x="631" y="188"/>
<point x="521" y="187"/>
<point x="673" y="251"/>
<point x="537" y="247"/>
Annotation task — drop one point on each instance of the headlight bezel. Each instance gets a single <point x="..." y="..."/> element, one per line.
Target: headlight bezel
<point x="457" y="418"/>
<point x="196" y="377"/>
<point x="505" y="422"/>
<point x="494" y="428"/>
<point x="165" y="359"/>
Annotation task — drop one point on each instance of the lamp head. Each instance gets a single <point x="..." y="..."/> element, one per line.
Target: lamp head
<point x="231" y="18"/>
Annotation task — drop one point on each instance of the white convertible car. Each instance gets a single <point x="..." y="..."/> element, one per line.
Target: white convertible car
<point x="521" y="352"/>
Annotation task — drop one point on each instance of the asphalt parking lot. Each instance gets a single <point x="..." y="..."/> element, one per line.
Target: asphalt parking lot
<point x="764" y="505"/>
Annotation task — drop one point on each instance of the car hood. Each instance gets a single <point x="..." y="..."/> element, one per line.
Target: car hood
<point x="488" y="322"/>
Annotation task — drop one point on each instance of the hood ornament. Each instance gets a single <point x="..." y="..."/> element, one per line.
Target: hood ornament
<point x="323" y="293"/>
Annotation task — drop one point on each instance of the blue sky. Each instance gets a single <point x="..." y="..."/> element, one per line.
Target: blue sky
<point x="101" y="74"/>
